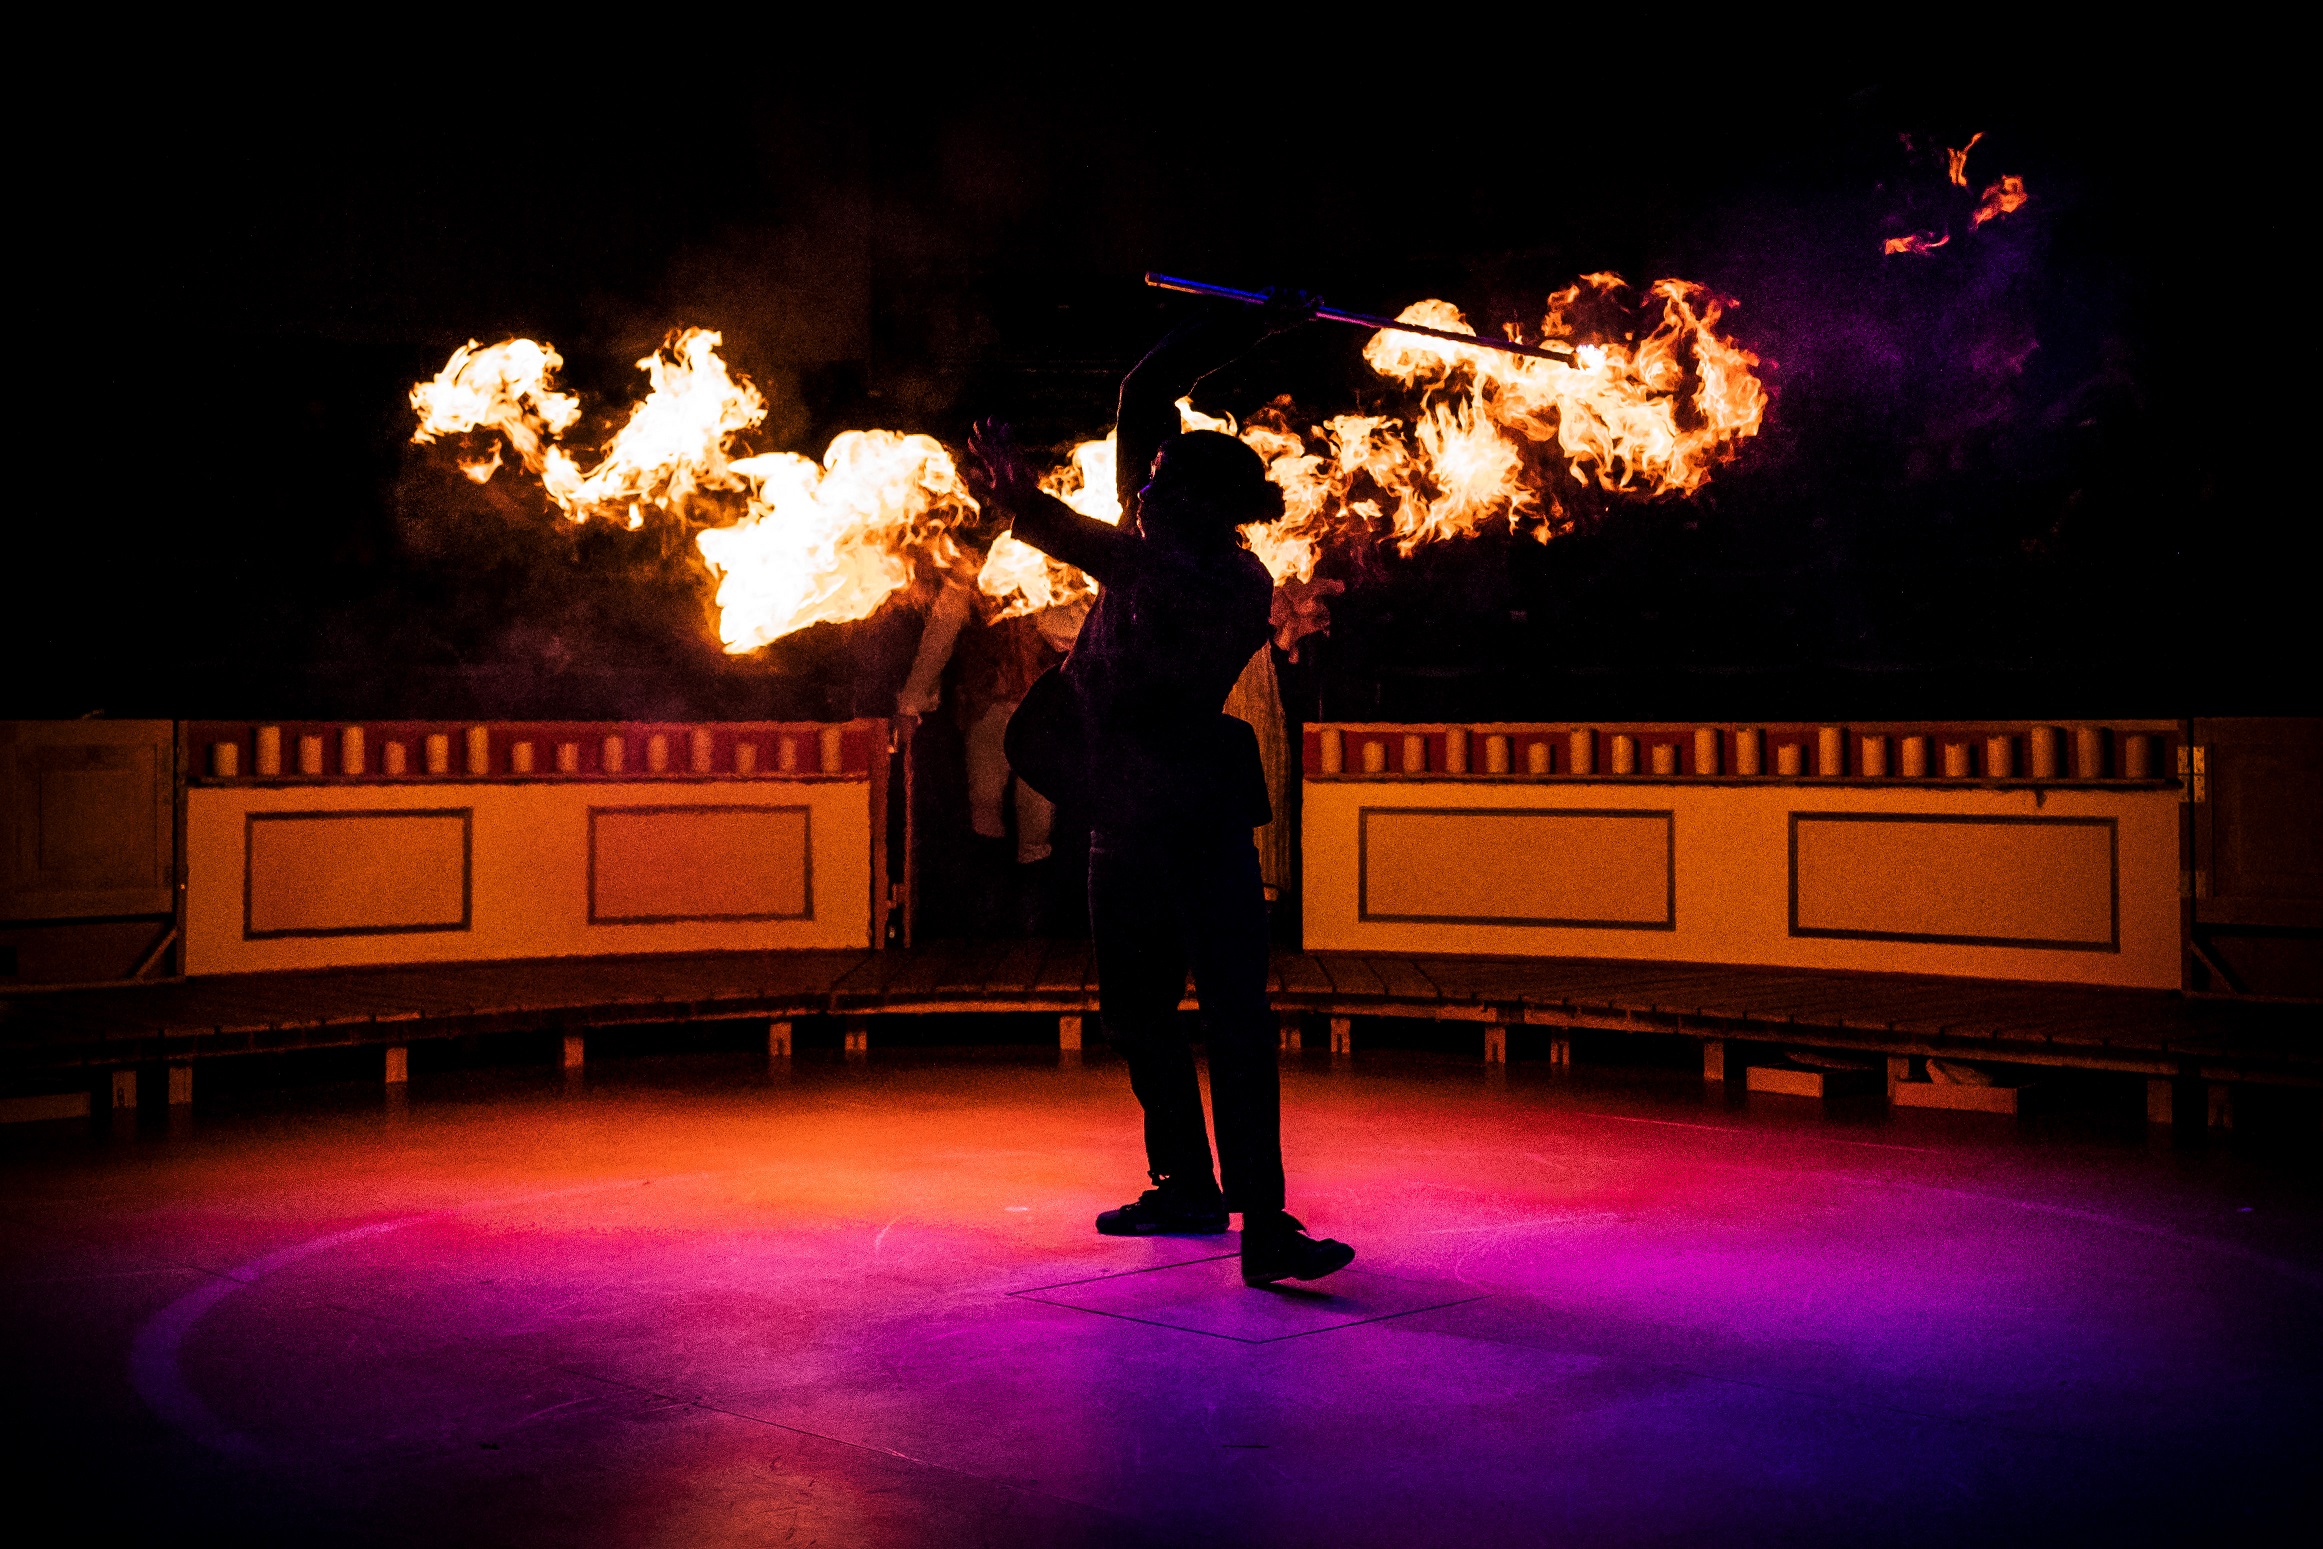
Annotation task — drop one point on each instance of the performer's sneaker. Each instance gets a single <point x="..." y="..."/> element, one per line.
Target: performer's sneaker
<point x="1169" y="1209"/>
<point x="1282" y="1250"/>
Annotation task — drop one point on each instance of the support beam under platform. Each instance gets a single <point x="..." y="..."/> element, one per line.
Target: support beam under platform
<point x="1871" y="1017"/>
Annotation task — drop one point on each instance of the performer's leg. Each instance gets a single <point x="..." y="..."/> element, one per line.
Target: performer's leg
<point x="1141" y="976"/>
<point x="1220" y="895"/>
<point x="988" y="772"/>
<point x="1223" y="905"/>
<point x="1036" y="816"/>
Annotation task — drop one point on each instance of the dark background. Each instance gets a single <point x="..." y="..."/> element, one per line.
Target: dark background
<point x="2056" y="468"/>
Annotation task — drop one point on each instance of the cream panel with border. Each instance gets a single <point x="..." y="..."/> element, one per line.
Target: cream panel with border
<point x="1975" y="881"/>
<point x="1489" y="866"/>
<point x="665" y="863"/>
<point x="344" y="875"/>
<point x="2065" y="885"/>
<point x="355" y="873"/>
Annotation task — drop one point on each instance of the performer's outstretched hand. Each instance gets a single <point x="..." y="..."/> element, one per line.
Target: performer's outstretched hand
<point x="996" y="470"/>
<point x="1286" y="309"/>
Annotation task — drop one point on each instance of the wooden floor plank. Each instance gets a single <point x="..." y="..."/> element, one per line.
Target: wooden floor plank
<point x="2095" y="1028"/>
<point x="1878" y="1010"/>
<point x="1301" y="974"/>
<point x="1795" y="1001"/>
<point x="1018" y="970"/>
<point x="2001" y="1013"/>
<point x="1066" y="969"/>
<point x="1351" y="974"/>
<point x="969" y="972"/>
<point x="1403" y="979"/>
<point x="1550" y="983"/>
<point x="1646" y="989"/>
<point x="917" y="976"/>
<point x="1680" y="994"/>
<point x="868" y="979"/>
<point x="1941" y="1008"/>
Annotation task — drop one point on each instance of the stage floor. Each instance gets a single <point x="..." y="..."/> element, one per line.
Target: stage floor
<point x="690" y="1302"/>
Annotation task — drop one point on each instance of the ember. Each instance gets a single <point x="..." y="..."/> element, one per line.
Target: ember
<point x="2000" y="199"/>
<point x="2005" y="197"/>
<point x="1956" y="162"/>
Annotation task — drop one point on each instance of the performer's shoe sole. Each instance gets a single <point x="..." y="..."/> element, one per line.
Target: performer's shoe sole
<point x="1320" y="1265"/>
<point x="1187" y="1229"/>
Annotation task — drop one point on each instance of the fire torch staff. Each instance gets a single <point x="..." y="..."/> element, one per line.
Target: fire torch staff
<point x="1131" y="724"/>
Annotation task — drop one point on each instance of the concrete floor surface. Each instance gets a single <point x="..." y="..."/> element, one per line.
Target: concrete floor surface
<point x="687" y="1303"/>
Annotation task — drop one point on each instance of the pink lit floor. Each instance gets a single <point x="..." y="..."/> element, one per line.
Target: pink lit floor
<point x="684" y="1303"/>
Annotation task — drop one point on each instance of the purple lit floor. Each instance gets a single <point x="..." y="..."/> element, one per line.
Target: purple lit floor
<point x="688" y="1304"/>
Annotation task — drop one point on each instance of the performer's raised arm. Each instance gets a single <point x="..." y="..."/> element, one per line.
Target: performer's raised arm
<point x="1148" y="412"/>
<point x="1004" y="481"/>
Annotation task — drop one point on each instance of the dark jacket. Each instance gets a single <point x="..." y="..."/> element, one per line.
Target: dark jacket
<point x="1173" y="626"/>
<point x="1171" y="630"/>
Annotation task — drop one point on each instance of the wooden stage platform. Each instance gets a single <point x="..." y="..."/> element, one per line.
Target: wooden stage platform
<point x="49" y="1035"/>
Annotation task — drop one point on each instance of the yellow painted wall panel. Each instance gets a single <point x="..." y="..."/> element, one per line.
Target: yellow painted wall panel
<point x="705" y="863"/>
<point x="1732" y="879"/>
<point x="1994" y="881"/>
<point x="530" y="872"/>
<point x="1470" y="864"/>
<point x="310" y="874"/>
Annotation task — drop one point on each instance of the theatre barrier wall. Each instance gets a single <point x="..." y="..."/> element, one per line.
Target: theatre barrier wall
<point x="1984" y="873"/>
<point x="647" y="840"/>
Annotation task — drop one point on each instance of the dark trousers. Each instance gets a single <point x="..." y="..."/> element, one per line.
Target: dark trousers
<point x="1156" y="908"/>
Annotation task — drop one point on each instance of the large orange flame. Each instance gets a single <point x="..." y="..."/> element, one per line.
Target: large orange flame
<point x="673" y="445"/>
<point x="830" y="542"/>
<point x="1649" y="416"/>
<point x="506" y="388"/>
<point x="792" y="542"/>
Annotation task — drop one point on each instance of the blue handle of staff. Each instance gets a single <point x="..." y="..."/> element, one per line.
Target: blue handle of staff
<point x="1548" y="350"/>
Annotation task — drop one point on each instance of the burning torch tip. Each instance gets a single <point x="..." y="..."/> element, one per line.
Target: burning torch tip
<point x="1546" y="349"/>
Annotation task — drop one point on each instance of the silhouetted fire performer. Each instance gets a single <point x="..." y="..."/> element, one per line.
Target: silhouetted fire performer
<point x="1132" y="725"/>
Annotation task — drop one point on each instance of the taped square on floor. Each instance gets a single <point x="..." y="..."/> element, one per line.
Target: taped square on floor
<point x="1207" y="1296"/>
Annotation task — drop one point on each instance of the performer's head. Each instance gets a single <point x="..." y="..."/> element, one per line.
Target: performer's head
<point x="1204" y="486"/>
